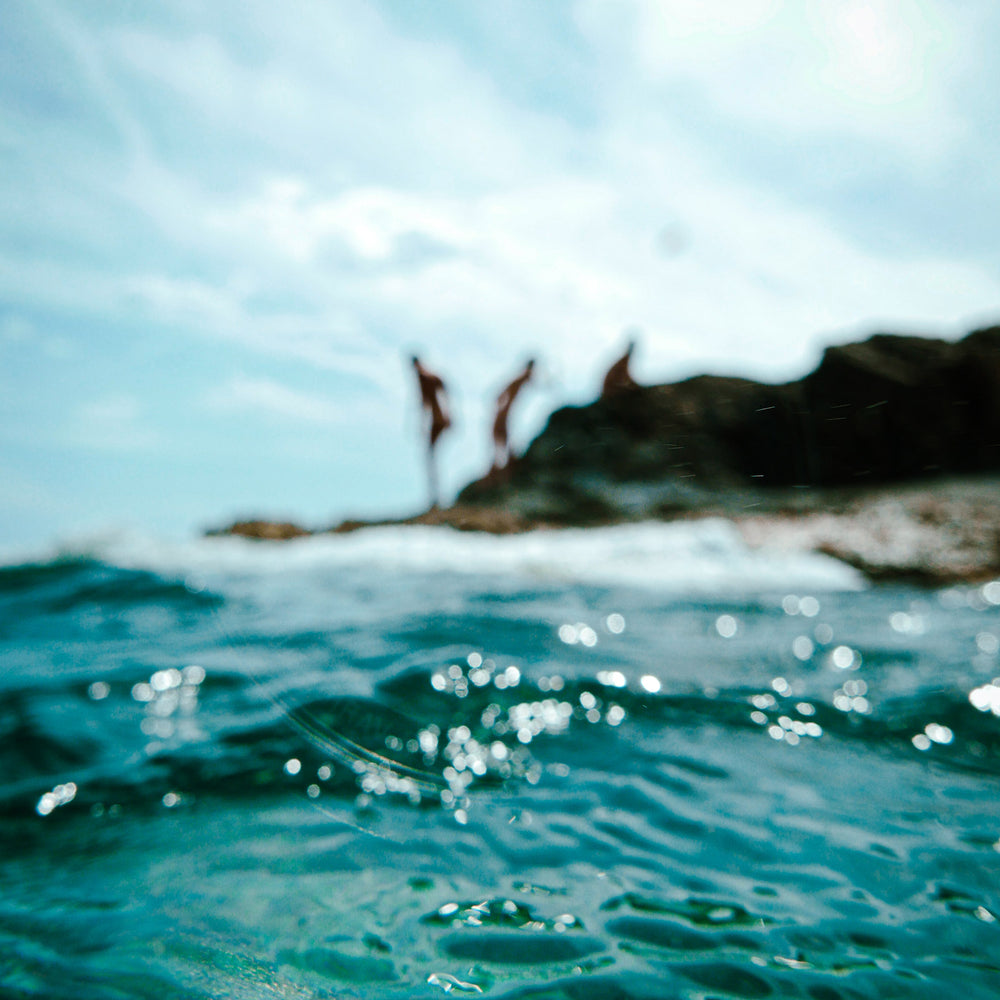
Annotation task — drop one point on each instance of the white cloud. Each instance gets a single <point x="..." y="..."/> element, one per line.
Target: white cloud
<point x="368" y="222"/>
<point x="878" y="70"/>
<point x="422" y="205"/>
<point x="564" y="264"/>
<point x="334" y="88"/>
<point x="267" y="397"/>
<point x="321" y="187"/>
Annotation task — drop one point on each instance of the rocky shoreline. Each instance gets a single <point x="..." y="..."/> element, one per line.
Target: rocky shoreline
<point x="931" y="534"/>
<point x="887" y="456"/>
<point x="943" y="532"/>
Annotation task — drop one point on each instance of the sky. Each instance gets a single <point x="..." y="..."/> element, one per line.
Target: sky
<point x="226" y="227"/>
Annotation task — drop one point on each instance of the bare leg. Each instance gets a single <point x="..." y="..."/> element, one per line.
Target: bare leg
<point x="501" y="450"/>
<point x="432" y="477"/>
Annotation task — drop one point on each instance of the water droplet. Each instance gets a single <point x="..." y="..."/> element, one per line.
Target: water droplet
<point x="802" y="647"/>
<point x="809" y="607"/>
<point x="568" y="634"/>
<point x="845" y="658"/>
<point x="726" y="626"/>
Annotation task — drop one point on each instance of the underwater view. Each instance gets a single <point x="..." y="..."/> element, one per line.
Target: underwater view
<point x="636" y="761"/>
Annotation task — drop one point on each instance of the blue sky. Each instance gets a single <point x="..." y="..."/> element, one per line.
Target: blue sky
<point x="225" y="226"/>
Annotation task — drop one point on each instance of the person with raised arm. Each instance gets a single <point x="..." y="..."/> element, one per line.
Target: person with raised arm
<point x="434" y="406"/>
<point x="501" y="441"/>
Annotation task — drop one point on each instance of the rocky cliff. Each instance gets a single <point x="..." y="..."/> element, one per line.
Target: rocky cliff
<point x="891" y="409"/>
<point x="886" y="456"/>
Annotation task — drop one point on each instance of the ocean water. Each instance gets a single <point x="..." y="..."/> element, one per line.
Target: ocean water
<point x="630" y="762"/>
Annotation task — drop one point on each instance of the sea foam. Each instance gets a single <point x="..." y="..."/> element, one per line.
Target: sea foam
<point x="705" y="556"/>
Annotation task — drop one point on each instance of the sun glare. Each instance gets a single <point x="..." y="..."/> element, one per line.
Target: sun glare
<point x="876" y="52"/>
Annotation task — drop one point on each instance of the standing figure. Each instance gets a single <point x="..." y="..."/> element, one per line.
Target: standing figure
<point x="501" y="443"/>
<point x="434" y="405"/>
<point x="618" y="378"/>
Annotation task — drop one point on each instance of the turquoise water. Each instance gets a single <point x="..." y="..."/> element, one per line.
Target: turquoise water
<point x="637" y="762"/>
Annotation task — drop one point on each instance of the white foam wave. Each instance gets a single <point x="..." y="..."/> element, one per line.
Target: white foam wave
<point x="697" y="556"/>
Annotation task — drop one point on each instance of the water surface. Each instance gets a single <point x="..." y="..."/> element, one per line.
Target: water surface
<point x="636" y="762"/>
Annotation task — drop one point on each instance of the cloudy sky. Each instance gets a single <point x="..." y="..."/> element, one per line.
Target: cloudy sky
<point x="225" y="226"/>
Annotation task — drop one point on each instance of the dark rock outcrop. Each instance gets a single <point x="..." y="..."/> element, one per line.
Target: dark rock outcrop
<point x="890" y="409"/>
<point x="493" y="520"/>
<point x="260" y="528"/>
<point x="887" y="456"/>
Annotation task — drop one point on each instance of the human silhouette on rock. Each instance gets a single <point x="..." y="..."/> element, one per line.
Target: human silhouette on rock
<point x="618" y="378"/>
<point x="501" y="441"/>
<point x="434" y="406"/>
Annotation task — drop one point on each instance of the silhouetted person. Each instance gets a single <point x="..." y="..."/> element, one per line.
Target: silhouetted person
<point x="501" y="444"/>
<point x="618" y="378"/>
<point x="434" y="405"/>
